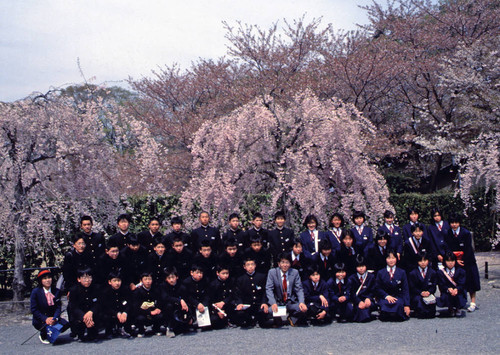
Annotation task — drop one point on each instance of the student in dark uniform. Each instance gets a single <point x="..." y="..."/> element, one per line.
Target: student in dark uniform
<point x="234" y="231"/>
<point x="134" y="257"/>
<point x="177" y="313"/>
<point x="339" y="289"/>
<point x="196" y="291"/>
<point x="311" y="237"/>
<point x="451" y="281"/>
<point x="177" y="231"/>
<point x="347" y="253"/>
<point x="362" y="291"/>
<point x="116" y="306"/>
<point x="413" y="246"/>
<point x="257" y="231"/>
<point x="148" y="237"/>
<point x="45" y="303"/>
<point x="147" y="306"/>
<point x="301" y="259"/>
<point x="232" y="258"/>
<point x="394" y="232"/>
<point x="325" y="260"/>
<point x="459" y="241"/>
<point x="94" y="242"/>
<point x="250" y="298"/>
<point x="180" y="257"/>
<point x="422" y="281"/>
<point x="316" y="296"/>
<point x="77" y="258"/>
<point x="257" y="252"/>
<point x="206" y="232"/>
<point x="363" y="235"/>
<point x="122" y="234"/>
<point x="156" y="262"/>
<point x="334" y="234"/>
<point x="109" y="262"/>
<point x="280" y="238"/>
<point x="84" y="307"/>
<point x="375" y="254"/>
<point x="413" y="215"/>
<point x="392" y="291"/>
<point x="437" y="231"/>
<point x="207" y="259"/>
<point x="221" y="299"/>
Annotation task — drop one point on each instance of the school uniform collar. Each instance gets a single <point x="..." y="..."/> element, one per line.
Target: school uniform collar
<point x="361" y="276"/>
<point x="423" y="270"/>
<point x="257" y="230"/>
<point x="47" y="291"/>
<point x="440" y="224"/>
<point x="337" y="281"/>
<point x="147" y="289"/>
<point x="452" y="270"/>
<point x="295" y="256"/>
<point x="457" y="231"/>
<point x="323" y="258"/>
<point x="284" y="273"/>
<point x="382" y="249"/>
<point x="315" y="284"/>
<point x="253" y="273"/>
<point x="417" y="241"/>
<point x="280" y="229"/>
<point x="389" y="225"/>
<point x="389" y="268"/>
<point x="121" y="232"/>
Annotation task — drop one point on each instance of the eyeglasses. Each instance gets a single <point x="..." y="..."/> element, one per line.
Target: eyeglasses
<point x="86" y="277"/>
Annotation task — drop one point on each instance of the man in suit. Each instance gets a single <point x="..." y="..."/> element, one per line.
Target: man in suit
<point x="284" y="288"/>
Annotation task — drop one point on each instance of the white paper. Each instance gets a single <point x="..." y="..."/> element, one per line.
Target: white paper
<point x="203" y="319"/>
<point x="281" y="312"/>
<point x="245" y="306"/>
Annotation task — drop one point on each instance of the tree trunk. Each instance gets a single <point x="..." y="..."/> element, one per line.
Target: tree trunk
<point x="433" y="185"/>
<point x="18" y="284"/>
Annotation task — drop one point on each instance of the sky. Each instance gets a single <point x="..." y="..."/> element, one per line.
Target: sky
<point x="42" y="42"/>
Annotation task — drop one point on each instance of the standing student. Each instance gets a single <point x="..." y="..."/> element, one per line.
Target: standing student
<point x="437" y="232"/>
<point x="257" y="231"/>
<point x="347" y="253"/>
<point x="156" y="262"/>
<point x="451" y="280"/>
<point x="109" y="262"/>
<point x="392" y="291"/>
<point x="180" y="257"/>
<point x="116" y="307"/>
<point x="177" y="231"/>
<point x="75" y="259"/>
<point x="363" y="235"/>
<point x="311" y="237"/>
<point x="257" y="252"/>
<point x="459" y="241"/>
<point x="362" y="291"/>
<point x="148" y="237"/>
<point x="280" y="238"/>
<point x="122" y="234"/>
<point x="134" y="257"/>
<point x="316" y="296"/>
<point x="413" y="246"/>
<point x="94" y="242"/>
<point x="234" y="231"/>
<point x="394" y="232"/>
<point x="334" y="234"/>
<point x="232" y="258"/>
<point x="340" y="302"/>
<point x="284" y="288"/>
<point x="206" y="232"/>
<point x="45" y="303"/>
<point x="376" y="254"/>
<point x="413" y="215"/>
<point x="423" y="282"/>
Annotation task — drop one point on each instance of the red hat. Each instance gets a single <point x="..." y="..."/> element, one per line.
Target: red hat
<point x="43" y="272"/>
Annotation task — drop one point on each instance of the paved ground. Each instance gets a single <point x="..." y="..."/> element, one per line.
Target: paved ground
<point x="478" y="333"/>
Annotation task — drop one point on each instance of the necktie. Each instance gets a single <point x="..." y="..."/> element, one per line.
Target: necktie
<point x="456" y="234"/>
<point x="340" y="286"/>
<point x="315" y="285"/>
<point x="391" y="229"/>
<point x="391" y="273"/>
<point x="312" y="236"/>
<point x="439" y="227"/>
<point x="423" y="274"/>
<point x="360" y="230"/>
<point x="50" y="298"/>
<point x="417" y="244"/>
<point x="285" y="291"/>
<point x="450" y="273"/>
<point x="361" y="279"/>
<point x="325" y="263"/>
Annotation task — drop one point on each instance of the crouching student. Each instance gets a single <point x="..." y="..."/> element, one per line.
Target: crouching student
<point x="116" y="306"/>
<point x="84" y="305"/>
<point x="316" y="297"/>
<point x="196" y="291"/>
<point x="362" y="291"/>
<point x="147" y="306"/>
<point x="284" y="288"/>
<point x="451" y="280"/>
<point x="251" y="299"/>
<point x="392" y="291"/>
<point x="177" y="312"/>
<point x="339" y="295"/>
<point x="422" y="282"/>
<point x="45" y="302"/>
<point x="221" y="299"/>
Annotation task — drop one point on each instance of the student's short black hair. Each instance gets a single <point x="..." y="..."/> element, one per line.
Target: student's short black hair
<point x="84" y="271"/>
<point x="202" y="212"/>
<point x="248" y="258"/>
<point x="280" y="214"/>
<point x="360" y="260"/>
<point x="338" y="267"/>
<point x="171" y="271"/>
<point x="255" y="239"/>
<point x="346" y="233"/>
<point x="176" y="220"/>
<point x="416" y="226"/>
<point x="233" y="215"/>
<point x="257" y="215"/>
<point x="310" y="218"/>
<point x="154" y="219"/>
<point x="382" y="234"/>
<point x="76" y="237"/>
<point x="196" y="267"/>
<point x="145" y="274"/>
<point x="285" y="256"/>
<point x="339" y="216"/>
<point x="114" y="275"/>
<point x="205" y="243"/>
<point x="111" y="243"/>
<point x="422" y="255"/>
<point x="449" y="256"/>
<point x="412" y="209"/>
<point x="86" y="218"/>
<point x="157" y="241"/>
<point x="454" y="218"/>
<point x="297" y="241"/>
<point x="176" y="239"/>
<point x="388" y="214"/>
<point x="311" y="269"/>
<point x="231" y="242"/>
<point x="221" y="267"/>
<point x="391" y="252"/>
<point x="123" y="216"/>
<point x="132" y="240"/>
<point x="324" y="244"/>
<point x="356" y="214"/>
<point x="435" y="210"/>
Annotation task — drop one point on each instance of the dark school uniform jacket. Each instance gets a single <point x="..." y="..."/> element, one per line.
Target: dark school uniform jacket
<point x="395" y="238"/>
<point x="280" y="241"/>
<point x="147" y="240"/>
<point x="419" y="284"/>
<point x="366" y="291"/>
<point x="95" y="246"/>
<point x="134" y="264"/>
<point x="395" y="287"/>
<point x="121" y="239"/>
<point x="116" y="301"/>
<point x="196" y="292"/>
<point x="73" y="261"/>
<point x="364" y="239"/>
<point x="311" y="294"/>
<point x="206" y="233"/>
<point x="39" y="306"/>
<point x="262" y="259"/>
<point x="251" y="289"/>
<point x="84" y="299"/>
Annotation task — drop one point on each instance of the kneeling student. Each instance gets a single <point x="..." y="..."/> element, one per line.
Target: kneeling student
<point x="451" y="281"/>
<point x="423" y="282"/>
<point x="179" y="319"/>
<point x="147" y="306"/>
<point x="362" y="291"/>
<point x="316" y="296"/>
<point x="196" y="291"/>
<point x="221" y="299"/>
<point x="45" y="302"/>
<point x="116" y="303"/>
<point x="339" y="295"/>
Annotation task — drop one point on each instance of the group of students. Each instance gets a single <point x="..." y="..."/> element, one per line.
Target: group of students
<point x="129" y="282"/>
